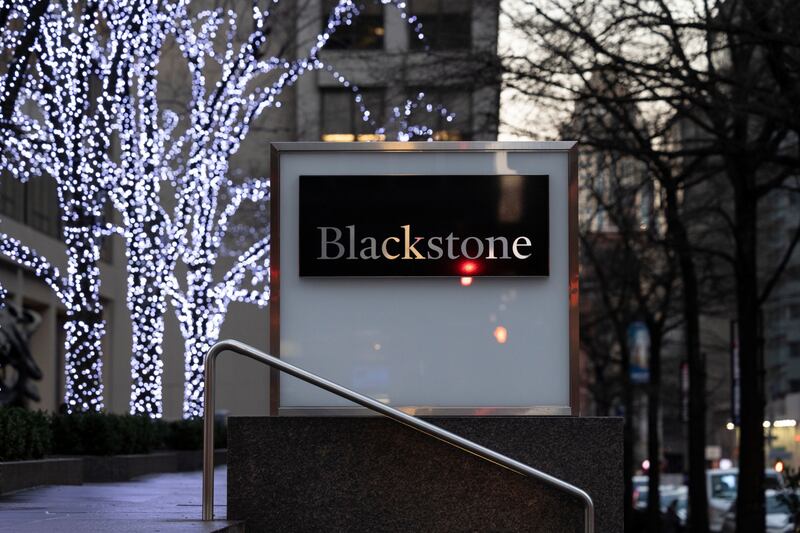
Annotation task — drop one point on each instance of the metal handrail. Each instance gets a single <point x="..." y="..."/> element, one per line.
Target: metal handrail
<point x="365" y="401"/>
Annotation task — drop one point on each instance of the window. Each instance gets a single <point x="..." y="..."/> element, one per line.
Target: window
<point x="794" y="349"/>
<point x="343" y="119"/>
<point x="365" y="32"/>
<point x="776" y="343"/>
<point x="723" y="486"/>
<point x="454" y="101"/>
<point x="12" y="198"/>
<point x="775" y="314"/>
<point x="34" y="203"/>
<point x="446" y="24"/>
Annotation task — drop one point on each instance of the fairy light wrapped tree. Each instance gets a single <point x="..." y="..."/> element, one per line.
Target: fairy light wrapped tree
<point x="100" y="131"/>
<point x="250" y="83"/>
<point x="59" y="111"/>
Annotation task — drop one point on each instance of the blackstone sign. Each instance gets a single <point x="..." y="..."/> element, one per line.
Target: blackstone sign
<point x="439" y="278"/>
<point x="424" y="225"/>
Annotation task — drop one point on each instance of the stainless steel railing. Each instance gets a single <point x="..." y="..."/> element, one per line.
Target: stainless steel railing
<point x="365" y="401"/>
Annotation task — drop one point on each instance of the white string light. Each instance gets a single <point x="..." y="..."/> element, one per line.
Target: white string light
<point x="74" y="86"/>
<point x="87" y="87"/>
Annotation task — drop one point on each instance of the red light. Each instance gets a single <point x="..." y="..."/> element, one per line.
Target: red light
<point x="466" y="281"/>
<point x="469" y="267"/>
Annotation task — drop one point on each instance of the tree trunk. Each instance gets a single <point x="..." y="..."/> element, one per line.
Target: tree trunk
<point x="196" y="346"/>
<point x="84" y="328"/>
<point x="627" y="429"/>
<point x="146" y="301"/>
<point x="147" y="270"/>
<point x="750" y="498"/>
<point x="653" y="439"/>
<point x="200" y="325"/>
<point x="698" y="499"/>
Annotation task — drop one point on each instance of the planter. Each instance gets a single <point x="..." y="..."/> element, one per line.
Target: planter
<point x="17" y="475"/>
<point x="111" y="468"/>
<point x="189" y="460"/>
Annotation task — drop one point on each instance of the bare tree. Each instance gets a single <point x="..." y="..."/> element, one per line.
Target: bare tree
<point x="629" y="275"/>
<point x="717" y="85"/>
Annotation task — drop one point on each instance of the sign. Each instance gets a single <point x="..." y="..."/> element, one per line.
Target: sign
<point x="639" y="344"/>
<point x="736" y="391"/>
<point x="439" y="278"/>
<point x="426" y="225"/>
<point x="684" y="381"/>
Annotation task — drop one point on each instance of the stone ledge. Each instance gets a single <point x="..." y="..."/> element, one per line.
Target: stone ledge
<point x="17" y="475"/>
<point x="76" y="470"/>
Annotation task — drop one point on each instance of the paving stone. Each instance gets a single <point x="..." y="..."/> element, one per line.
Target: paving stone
<point x="158" y="503"/>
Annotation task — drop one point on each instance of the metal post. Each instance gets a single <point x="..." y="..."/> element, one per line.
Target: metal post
<point x="370" y="403"/>
<point x="208" y="431"/>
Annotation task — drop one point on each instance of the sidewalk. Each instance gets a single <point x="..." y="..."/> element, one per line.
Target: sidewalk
<point x="158" y="503"/>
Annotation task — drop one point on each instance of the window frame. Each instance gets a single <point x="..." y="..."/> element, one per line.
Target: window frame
<point x="345" y="38"/>
<point x="433" y="44"/>
<point x="354" y="113"/>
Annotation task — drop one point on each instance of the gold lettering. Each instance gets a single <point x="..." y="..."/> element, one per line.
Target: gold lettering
<point x="409" y="248"/>
<point x="386" y="253"/>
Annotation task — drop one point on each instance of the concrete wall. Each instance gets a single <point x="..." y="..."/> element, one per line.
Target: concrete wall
<point x="372" y="474"/>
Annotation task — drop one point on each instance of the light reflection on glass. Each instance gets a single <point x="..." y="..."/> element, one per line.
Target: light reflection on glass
<point x="510" y="207"/>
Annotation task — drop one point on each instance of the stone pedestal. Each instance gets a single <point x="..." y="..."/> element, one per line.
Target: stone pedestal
<point x="372" y="474"/>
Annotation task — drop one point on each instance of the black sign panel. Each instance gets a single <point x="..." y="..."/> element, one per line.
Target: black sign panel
<point x="424" y="226"/>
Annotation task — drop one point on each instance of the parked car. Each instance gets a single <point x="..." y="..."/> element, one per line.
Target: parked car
<point x="722" y="485"/>
<point x="781" y="508"/>
<point x="679" y="495"/>
<point x="641" y="489"/>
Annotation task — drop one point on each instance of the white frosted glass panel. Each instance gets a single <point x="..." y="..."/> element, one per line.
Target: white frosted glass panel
<point x="427" y="341"/>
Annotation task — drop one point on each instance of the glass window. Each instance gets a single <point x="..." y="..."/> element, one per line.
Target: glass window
<point x="446" y="24"/>
<point x="365" y="31"/>
<point x="446" y="127"/>
<point x="34" y="203"/>
<point x="42" y="206"/>
<point x="723" y="486"/>
<point x="794" y="349"/>
<point x="12" y="198"/>
<point x="343" y="116"/>
<point x="775" y="314"/>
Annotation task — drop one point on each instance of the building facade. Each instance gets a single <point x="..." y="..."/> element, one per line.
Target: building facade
<point x="381" y="54"/>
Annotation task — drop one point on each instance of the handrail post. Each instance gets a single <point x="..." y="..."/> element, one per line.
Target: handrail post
<point x="208" y="431"/>
<point x="365" y="401"/>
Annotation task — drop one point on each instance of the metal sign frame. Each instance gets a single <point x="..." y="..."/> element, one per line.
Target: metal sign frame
<point x="568" y="148"/>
